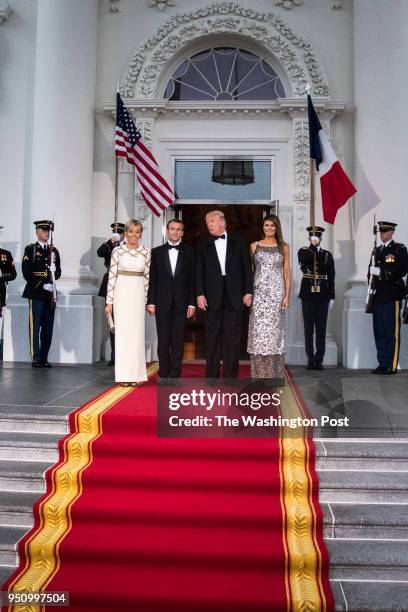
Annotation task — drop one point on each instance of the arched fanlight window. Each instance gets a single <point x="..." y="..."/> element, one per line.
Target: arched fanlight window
<point x="224" y="73"/>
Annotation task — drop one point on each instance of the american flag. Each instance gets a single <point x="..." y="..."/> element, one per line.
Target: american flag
<point x="155" y="190"/>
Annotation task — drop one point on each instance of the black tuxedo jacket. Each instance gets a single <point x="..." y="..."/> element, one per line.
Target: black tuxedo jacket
<point x="165" y="290"/>
<point x="208" y="276"/>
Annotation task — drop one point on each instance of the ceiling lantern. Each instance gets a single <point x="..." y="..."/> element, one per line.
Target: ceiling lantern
<point x="233" y="172"/>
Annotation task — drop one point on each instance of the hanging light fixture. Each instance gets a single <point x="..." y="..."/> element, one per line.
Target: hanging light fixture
<point x="233" y="172"/>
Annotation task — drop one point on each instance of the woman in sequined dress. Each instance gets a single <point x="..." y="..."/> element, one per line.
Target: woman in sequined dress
<point x="266" y="333"/>
<point x="127" y="292"/>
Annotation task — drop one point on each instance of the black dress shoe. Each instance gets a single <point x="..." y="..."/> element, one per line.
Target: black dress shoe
<point x="162" y="382"/>
<point x="310" y="366"/>
<point x="111" y="363"/>
<point x="46" y="364"/>
<point x="390" y="371"/>
<point x="36" y="364"/>
<point x="319" y="366"/>
<point x="378" y="370"/>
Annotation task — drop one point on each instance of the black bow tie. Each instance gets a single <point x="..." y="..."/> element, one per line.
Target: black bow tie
<point x="173" y="246"/>
<point x="218" y="237"/>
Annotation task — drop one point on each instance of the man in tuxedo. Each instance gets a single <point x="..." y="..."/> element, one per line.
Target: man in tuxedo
<point x="223" y="289"/>
<point x="171" y="298"/>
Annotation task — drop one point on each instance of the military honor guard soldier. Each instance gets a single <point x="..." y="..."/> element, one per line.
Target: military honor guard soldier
<point x="105" y="251"/>
<point x="41" y="267"/>
<point x="317" y="292"/>
<point x="7" y="273"/>
<point x="391" y="265"/>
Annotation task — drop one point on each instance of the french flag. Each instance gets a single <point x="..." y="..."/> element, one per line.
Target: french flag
<point x="335" y="185"/>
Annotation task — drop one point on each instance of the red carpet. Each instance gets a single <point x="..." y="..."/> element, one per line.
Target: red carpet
<point x="133" y="522"/>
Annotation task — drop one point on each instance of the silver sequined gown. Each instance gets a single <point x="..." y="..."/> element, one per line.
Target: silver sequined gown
<point x="266" y="333"/>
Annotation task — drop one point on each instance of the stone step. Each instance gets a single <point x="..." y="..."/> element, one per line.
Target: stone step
<point x="9" y="538"/>
<point x="23" y="476"/>
<point x="370" y="596"/>
<point x="352" y="559"/>
<point x="362" y="455"/>
<point x="34" y="419"/>
<point x="365" y="521"/>
<point x="361" y="486"/>
<point x="22" y="446"/>
<point x="16" y="508"/>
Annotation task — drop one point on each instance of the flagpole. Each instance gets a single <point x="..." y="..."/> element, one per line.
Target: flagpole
<point x="312" y="211"/>
<point x="116" y="188"/>
<point x="312" y="194"/>
<point x="116" y="174"/>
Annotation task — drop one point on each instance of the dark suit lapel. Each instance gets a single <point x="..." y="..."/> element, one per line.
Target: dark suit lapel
<point x="166" y="259"/>
<point x="179" y="260"/>
<point x="230" y="251"/>
<point x="212" y="252"/>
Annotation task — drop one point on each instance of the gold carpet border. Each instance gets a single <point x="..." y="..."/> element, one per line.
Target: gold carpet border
<point x="42" y="548"/>
<point x="304" y="563"/>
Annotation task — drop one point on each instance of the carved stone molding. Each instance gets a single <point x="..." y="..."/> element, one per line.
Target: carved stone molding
<point x="161" y="4"/>
<point x="337" y="4"/>
<point x="5" y="12"/>
<point x="301" y="152"/>
<point x="288" y="4"/>
<point x="124" y="167"/>
<point x="142" y="212"/>
<point x="297" y="57"/>
<point x="114" y="6"/>
<point x="276" y="109"/>
<point x="145" y="127"/>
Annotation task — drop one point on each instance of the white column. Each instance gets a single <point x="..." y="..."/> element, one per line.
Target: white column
<point x="63" y="127"/>
<point x="381" y="151"/>
<point x="62" y="171"/>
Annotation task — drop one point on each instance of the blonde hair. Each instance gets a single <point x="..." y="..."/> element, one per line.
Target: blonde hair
<point x="133" y="223"/>
<point x="213" y="213"/>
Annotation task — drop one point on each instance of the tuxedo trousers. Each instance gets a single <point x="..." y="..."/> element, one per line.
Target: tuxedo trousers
<point x="171" y="330"/>
<point x="223" y="338"/>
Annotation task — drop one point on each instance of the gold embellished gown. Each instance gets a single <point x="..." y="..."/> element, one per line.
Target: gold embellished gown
<point x="127" y="291"/>
<point x="266" y="332"/>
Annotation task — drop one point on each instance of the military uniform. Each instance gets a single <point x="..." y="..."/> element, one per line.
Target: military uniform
<point x="105" y="251"/>
<point x="36" y="271"/>
<point x="7" y="273"/>
<point x="316" y="290"/>
<point x="391" y="261"/>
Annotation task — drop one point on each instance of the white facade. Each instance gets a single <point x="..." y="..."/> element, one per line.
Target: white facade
<point x="62" y="62"/>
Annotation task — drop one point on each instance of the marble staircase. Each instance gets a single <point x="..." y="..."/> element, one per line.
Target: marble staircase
<point x="363" y="491"/>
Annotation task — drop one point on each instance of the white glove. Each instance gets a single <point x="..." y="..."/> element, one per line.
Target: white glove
<point x="52" y="268"/>
<point x="331" y="304"/>
<point x="116" y="237"/>
<point x="375" y="271"/>
<point x="48" y="287"/>
<point x="1" y="273"/>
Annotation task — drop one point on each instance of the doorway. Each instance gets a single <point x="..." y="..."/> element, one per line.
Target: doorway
<point x="244" y="220"/>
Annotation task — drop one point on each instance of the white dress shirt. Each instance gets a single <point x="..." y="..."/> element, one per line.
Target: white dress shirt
<point x="221" y="248"/>
<point x="173" y="255"/>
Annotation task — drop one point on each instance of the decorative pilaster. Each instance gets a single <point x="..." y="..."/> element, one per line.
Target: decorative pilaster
<point x="301" y="196"/>
<point x="142" y="212"/>
<point x="5" y="12"/>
